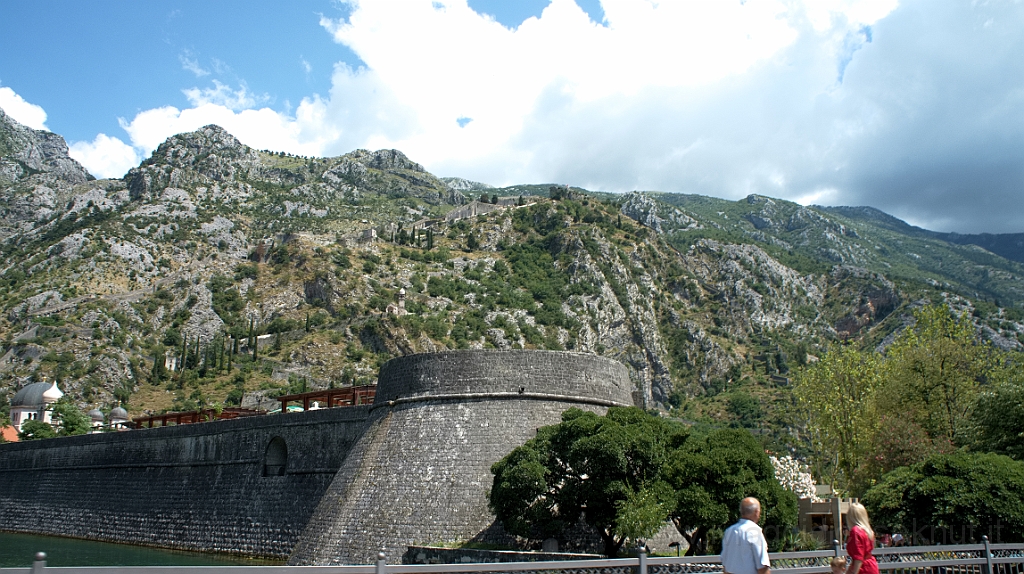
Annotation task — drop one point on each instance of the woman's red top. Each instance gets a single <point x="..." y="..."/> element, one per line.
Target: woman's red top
<point x="858" y="547"/>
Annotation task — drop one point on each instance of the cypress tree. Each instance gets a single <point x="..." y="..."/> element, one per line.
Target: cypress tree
<point x="159" y="370"/>
<point x="184" y="354"/>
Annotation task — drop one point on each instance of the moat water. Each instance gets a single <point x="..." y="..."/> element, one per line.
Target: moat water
<point x="18" y="550"/>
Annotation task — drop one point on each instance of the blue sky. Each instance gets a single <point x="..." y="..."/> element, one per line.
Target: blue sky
<point x="913" y="107"/>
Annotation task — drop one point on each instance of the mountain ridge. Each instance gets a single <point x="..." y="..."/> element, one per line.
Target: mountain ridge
<point x="347" y="261"/>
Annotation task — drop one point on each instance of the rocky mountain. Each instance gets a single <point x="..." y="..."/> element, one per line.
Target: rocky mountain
<point x="214" y="273"/>
<point x="37" y="176"/>
<point x="1008" y="245"/>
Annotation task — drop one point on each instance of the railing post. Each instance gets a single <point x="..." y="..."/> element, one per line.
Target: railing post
<point x="382" y="565"/>
<point x="39" y="564"/>
<point x="835" y="547"/>
<point x="641" y="556"/>
<point x="988" y="555"/>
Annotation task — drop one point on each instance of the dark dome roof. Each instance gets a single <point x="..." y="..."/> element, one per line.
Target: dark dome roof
<point x="96" y="415"/>
<point x="30" y="396"/>
<point x="118" y="413"/>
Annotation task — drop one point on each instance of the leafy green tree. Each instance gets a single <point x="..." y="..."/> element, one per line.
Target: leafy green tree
<point x="712" y="474"/>
<point x="642" y="514"/>
<point x="898" y="442"/>
<point x="745" y="408"/>
<point x="72" y="421"/>
<point x="953" y="498"/>
<point x="836" y="399"/>
<point x="603" y="470"/>
<point x="997" y="421"/>
<point x="32" y="430"/>
<point x="5" y="421"/>
<point x="934" y="372"/>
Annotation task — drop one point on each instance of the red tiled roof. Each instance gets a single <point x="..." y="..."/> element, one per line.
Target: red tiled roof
<point x="10" y="434"/>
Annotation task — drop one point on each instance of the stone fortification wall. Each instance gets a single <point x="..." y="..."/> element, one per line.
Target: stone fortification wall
<point x="420" y="473"/>
<point x="244" y="486"/>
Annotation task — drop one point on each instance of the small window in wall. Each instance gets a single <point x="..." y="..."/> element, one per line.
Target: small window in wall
<point x="275" y="460"/>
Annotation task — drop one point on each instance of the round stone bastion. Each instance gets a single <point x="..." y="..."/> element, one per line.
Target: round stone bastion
<point x="420" y="473"/>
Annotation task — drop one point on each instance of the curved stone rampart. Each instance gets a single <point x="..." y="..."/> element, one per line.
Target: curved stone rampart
<point x="547" y="373"/>
<point x="420" y="473"/>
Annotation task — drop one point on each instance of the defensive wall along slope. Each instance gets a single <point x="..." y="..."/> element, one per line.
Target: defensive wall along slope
<point x="420" y="472"/>
<point x="244" y="486"/>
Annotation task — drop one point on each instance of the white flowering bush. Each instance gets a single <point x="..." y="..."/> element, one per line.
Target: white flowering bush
<point x="795" y="476"/>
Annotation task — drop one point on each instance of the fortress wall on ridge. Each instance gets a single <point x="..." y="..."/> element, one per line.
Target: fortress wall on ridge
<point x="420" y="473"/>
<point x="216" y="486"/>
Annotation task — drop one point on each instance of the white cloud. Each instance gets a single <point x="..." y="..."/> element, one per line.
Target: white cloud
<point x="360" y="112"/>
<point x="259" y="128"/>
<point x="466" y="65"/>
<point x="105" y="156"/>
<point x="191" y="64"/>
<point x="837" y="101"/>
<point x="23" y="112"/>
<point x="534" y="90"/>
<point x="222" y="95"/>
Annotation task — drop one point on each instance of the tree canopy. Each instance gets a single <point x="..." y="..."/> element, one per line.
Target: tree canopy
<point x="934" y="371"/>
<point x="628" y="472"/>
<point x="952" y="498"/>
<point x="867" y="413"/>
<point x="603" y="470"/>
<point x="836" y="397"/>
<point x="711" y="474"/>
<point x="72" y="421"/>
<point x="34" y="429"/>
<point x="997" y="420"/>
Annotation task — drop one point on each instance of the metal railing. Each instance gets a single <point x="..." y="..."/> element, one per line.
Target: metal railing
<point x="982" y="558"/>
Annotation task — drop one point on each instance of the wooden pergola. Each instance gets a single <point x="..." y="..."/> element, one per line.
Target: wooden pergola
<point x="330" y="398"/>
<point x="200" y="416"/>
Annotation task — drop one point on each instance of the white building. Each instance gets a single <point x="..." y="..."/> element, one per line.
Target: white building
<point x="32" y="403"/>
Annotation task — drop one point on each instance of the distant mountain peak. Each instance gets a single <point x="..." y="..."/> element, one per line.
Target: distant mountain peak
<point x="25" y="152"/>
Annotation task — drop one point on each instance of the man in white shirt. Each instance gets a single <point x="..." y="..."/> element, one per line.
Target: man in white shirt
<point x="744" y="550"/>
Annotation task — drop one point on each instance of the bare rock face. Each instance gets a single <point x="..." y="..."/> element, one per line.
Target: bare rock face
<point x="644" y="210"/>
<point x="26" y="152"/>
<point x="460" y="185"/>
<point x="207" y="155"/>
<point x="871" y="296"/>
<point x="37" y="177"/>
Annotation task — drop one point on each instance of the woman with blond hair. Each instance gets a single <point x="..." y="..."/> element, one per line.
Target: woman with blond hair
<point x="860" y="542"/>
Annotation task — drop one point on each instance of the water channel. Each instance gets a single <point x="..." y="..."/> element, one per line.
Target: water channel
<point x="17" y="551"/>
